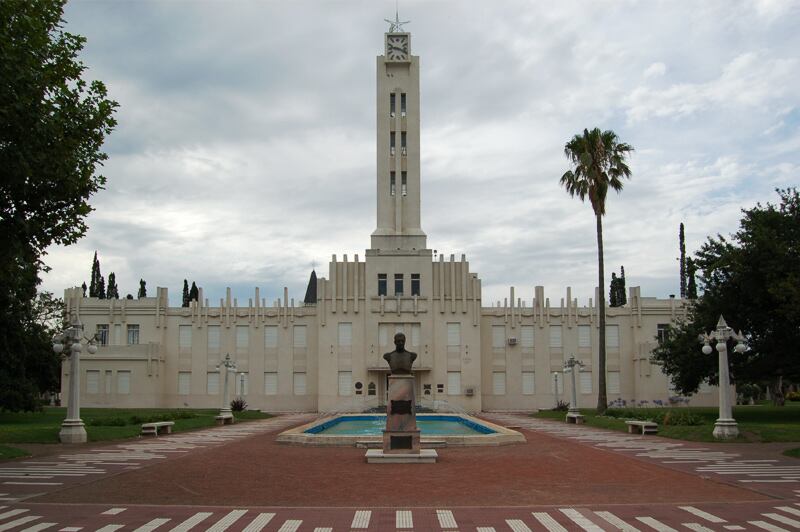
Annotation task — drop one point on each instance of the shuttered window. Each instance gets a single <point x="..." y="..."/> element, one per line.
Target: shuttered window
<point x="555" y="336"/>
<point x="383" y="334"/>
<point x="299" y="383"/>
<point x="586" y="381"/>
<point x="453" y="334"/>
<point x="109" y="383"/>
<point x="270" y="336"/>
<point x="184" y="382"/>
<point x="299" y="336"/>
<point x="345" y="334"/>
<point x="213" y="337"/>
<point x="612" y="382"/>
<point x="415" y="333"/>
<point x="185" y="336"/>
<point x="528" y="383"/>
<point x="526" y="336"/>
<point x="612" y="335"/>
<point x="212" y="383"/>
<point x="271" y="383"/>
<point x="498" y="336"/>
<point x="584" y="336"/>
<point x="453" y="383"/>
<point x="499" y="383"/>
<point x="242" y="336"/>
<point x="345" y="383"/>
<point x="124" y="382"/>
<point x="92" y="381"/>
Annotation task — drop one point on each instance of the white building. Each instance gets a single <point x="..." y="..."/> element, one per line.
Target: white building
<point x="326" y="355"/>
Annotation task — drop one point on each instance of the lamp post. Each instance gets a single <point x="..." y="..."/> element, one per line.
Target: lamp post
<point x="555" y="388"/>
<point x="71" y="338"/>
<point x="725" y="427"/>
<point x="241" y="384"/>
<point x="228" y="365"/>
<point x="570" y="366"/>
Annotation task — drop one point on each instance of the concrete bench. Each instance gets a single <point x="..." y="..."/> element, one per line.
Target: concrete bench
<point x="225" y="419"/>
<point x="157" y="427"/>
<point x="574" y="418"/>
<point x="642" y="427"/>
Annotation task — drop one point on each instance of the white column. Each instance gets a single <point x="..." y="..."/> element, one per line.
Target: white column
<point x="72" y="428"/>
<point x="725" y="427"/>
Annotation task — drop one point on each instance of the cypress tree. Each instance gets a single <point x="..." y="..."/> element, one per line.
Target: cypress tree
<point x="691" y="287"/>
<point x="113" y="289"/>
<point x="142" y="288"/>
<point x="185" y="293"/>
<point x="682" y="246"/>
<point x="95" y="276"/>
<point x="194" y="293"/>
<point x="622" y="297"/>
<point x="83" y="286"/>
<point x="612" y="292"/>
<point x="101" y="287"/>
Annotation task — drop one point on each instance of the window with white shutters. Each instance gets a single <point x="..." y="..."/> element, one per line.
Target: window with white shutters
<point x="213" y="337"/>
<point x="528" y="383"/>
<point x="415" y="334"/>
<point x="526" y="336"/>
<point x="345" y="383"/>
<point x="299" y="336"/>
<point x="383" y="334"/>
<point x="109" y="384"/>
<point x="270" y="336"/>
<point x="185" y="336"/>
<point x="212" y="383"/>
<point x="612" y="382"/>
<point x="184" y="382"/>
<point x="498" y="336"/>
<point x="92" y="381"/>
<point x="123" y="382"/>
<point x="242" y="337"/>
<point x="586" y="381"/>
<point x="118" y="334"/>
<point x="453" y="383"/>
<point x="612" y="335"/>
<point x="584" y="336"/>
<point x="453" y="334"/>
<point x="299" y="383"/>
<point x="555" y="336"/>
<point x="499" y="382"/>
<point x="345" y="334"/>
<point x="271" y="383"/>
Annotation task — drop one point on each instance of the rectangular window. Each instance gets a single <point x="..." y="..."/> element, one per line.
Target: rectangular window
<point x="383" y="334"/>
<point x="498" y="336"/>
<point x="526" y="336"/>
<point x="108" y="383"/>
<point x="612" y="336"/>
<point x="345" y="334"/>
<point x="661" y="332"/>
<point x="528" y="383"/>
<point x="586" y="381"/>
<point x="555" y="336"/>
<point x="391" y="183"/>
<point x="404" y="183"/>
<point x="584" y="336"/>
<point x="124" y="382"/>
<point x="242" y="336"/>
<point x="117" y="334"/>
<point x="345" y="383"/>
<point x="612" y="382"/>
<point x="392" y="102"/>
<point x="270" y="336"/>
<point x="398" y="284"/>
<point x="403" y="149"/>
<point x="92" y="381"/>
<point x="499" y="382"/>
<point x="133" y="334"/>
<point x="415" y="332"/>
<point x="212" y="383"/>
<point x="185" y="336"/>
<point x="453" y="334"/>
<point x="382" y="288"/>
<point x="271" y="383"/>
<point x="184" y="382"/>
<point x="453" y="383"/>
<point x="241" y="384"/>
<point x="299" y="336"/>
<point x="415" y="284"/>
<point x="102" y="333"/>
<point x="213" y="337"/>
<point x="403" y="104"/>
<point x="391" y="142"/>
<point x="299" y="383"/>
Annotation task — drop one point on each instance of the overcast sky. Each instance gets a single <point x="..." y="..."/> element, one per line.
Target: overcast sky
<point x="245" y="149"/>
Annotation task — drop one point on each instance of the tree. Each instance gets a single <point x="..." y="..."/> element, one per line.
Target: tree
<point x="101" y="288"/>
<point x="113" y="290"/>
<point x="682" y="260"/>
<point x="613" y="291"/>
<point x="194" y="292"/>
<point x="622" y="291"/>
<point x="52" y="127"/>
<point x="185" y="302"/>
<point x="598" y="159"/>
<point x="83" y="287"/>
<point x="752" y="279"/>
<point x="95" y="279"/>
<point x="142" y="289"/>
<point x="691" y="284"/>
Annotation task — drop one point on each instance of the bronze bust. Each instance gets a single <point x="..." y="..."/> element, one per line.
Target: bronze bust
<point x="400" y="360"/>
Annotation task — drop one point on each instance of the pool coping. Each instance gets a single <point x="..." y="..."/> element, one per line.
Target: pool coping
<point x="501" y="435"/>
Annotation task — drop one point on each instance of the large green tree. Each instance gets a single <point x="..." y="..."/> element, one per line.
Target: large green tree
<point x="753" y="280"/>
<point x="52" y="126"/>
<point x="598" y="161"/>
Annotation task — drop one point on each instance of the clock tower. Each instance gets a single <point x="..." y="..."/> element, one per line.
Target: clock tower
<point x="398" y="168"/>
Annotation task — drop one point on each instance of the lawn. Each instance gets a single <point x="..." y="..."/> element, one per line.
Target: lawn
<point x="759" y="423"/>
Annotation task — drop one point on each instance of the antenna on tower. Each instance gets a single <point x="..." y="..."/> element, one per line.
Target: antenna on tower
<point x="396" y="26"/>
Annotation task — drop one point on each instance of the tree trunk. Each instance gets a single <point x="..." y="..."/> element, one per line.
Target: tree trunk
<point x="778" y="397"/>
<point x="602" y="397"/>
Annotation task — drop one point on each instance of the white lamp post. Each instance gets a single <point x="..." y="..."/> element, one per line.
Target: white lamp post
<point x="72" y="428"/>
<point x="228" y="365"/>
<point x="555" y="388"/>
<point x="570" y="366"/>
<point x="725" y="427"/>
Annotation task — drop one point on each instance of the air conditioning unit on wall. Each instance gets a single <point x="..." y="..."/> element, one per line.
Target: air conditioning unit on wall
<point x="512" y="341"/>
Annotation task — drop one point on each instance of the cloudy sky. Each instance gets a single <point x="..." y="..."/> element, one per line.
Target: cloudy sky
<point x="245" y="149"/>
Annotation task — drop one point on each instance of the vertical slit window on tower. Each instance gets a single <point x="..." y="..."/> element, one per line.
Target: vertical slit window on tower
<point x="381" y="284"/>
<point x="403" y="142"/>
<point x="392" y="104"/>
<point x="391" y="183"/>
<point x="414" y="284"/>
<point x="398" y="284"/>
<point x="404" y="183"/>
<point x="403" y="104"/>
<point x="391" y="143"/>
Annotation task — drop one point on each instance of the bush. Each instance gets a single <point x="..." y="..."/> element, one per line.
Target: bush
<point x="107" y="422"/>
<point x="662" y="417"/>
<point x="239" y="404"/>
<point x="561" y="406"/>
<point x="793" y="396"/>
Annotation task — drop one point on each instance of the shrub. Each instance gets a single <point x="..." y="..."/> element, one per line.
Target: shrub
<point x="793" y="396"/>
<point x="239" y="404"/>
<point x="561" y="406"/>
<point x="107" y="422"/>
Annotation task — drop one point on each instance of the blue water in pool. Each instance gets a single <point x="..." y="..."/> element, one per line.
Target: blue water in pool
<point x="374" y="425"/>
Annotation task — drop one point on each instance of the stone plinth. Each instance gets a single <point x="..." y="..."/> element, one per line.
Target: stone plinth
<point x="401" y="434"/>
<point x="424" y="456"/>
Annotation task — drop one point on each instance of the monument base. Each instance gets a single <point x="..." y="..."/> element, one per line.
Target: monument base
<point x="72" y="431"/>
<point x="424" y="456"/>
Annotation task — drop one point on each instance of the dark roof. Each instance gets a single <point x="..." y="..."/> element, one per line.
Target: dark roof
<point x="311" y="291"/>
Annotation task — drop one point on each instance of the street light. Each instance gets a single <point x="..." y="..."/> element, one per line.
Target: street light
<point x="570" y="366"/>
<point x="70" y="339"/>
<point x="555" y="388"/>
<point x="229" y="366"/>
<point x="725" y="427"/>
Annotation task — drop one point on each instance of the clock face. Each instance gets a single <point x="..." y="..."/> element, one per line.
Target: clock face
<point x="397" y="48"/>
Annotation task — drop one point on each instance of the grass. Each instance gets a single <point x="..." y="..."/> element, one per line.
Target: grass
<point x="794" y="453"/>
<point x="7" y="452"/>
<point x="762" y="423"/>
<point x="104" y="424"/>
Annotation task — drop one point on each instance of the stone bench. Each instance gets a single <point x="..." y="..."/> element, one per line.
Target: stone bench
<point x="642" y="427"/>
<point x="574" y="418"/>
<point x="157" y="427"/>
<point x="224" y="419"/>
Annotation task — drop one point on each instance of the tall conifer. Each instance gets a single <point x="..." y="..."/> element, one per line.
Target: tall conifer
<point x="682" y="246"/>
<point x="185" y="293"/>
<point x="113" y="290"/>
<point x="622" y="296"/>
<point x="142" y="288"/>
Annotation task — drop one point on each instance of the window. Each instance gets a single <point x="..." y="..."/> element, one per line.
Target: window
<point x="528" y="383"/>
<point x="271" y="383"/>
<point x="415" y="332"/>
<point x="612" y="382"/>
<point x="398" y="284"/>
<point x="345" y="334"/>
<point x="403" y="104"/>
<point x="586" y="381"/>
<point x="345" y="383"/>
<point x="612" y="336"/>
<point x="454" y="334"/>
<point x="391" y="183"/>
<point x="526" y="336"/>
<point x="383" y="334"/>
<point x="299" y="336"/>
<point x="92" y="381"/>
<point x="584" y="336"/>
<point x="403" y="150"/>
<point x="184" y="382"/>
<point x="270" y="336"/>
<point x="382" y="284"/>
<point x="299" y="383"/>
<point x="133" y="334"/>
<point x="453" y="383"/>
<point x="108" y="383"/>
<point x="555" y="336"/>
<point x="118" y="334"/>
<point x="661" y="332"/>
<point x="185" y="336"/>
<point x="499" y="383"/>
<point x="212" y="383"/>
<point x="498" y="336"/>
<point x="213" y="337"/>
<point x="242" y="336"/>
<point x="391" y="142"/>
<point x="392" y="101"/>
<point x="124" y="382"/>
<point x="102" y="333"/>
<point x="404" y="182"/>
<point x="241" y="385"/>
<point x="371" y="389"/>
<point x="415" y="284"/>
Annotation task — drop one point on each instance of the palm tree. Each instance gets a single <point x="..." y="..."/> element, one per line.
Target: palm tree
<point x="599" y="163"/>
